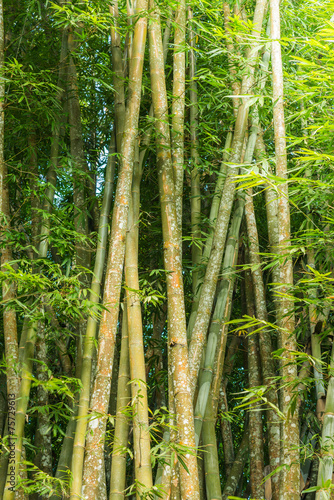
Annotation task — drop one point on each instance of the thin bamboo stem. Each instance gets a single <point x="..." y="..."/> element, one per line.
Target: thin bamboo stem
<point x="121" y="436"/>
<point x="195" y="201"/>
<point x="255" y="415"/>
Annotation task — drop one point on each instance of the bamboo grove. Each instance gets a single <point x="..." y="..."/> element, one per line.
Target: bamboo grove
<point x="167" y="263"/>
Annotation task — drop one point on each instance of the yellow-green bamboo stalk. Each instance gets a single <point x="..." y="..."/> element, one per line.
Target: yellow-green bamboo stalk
<point x="119" y="454"/>
<point x="108" y="325"/>
<point x="118" y="77"/>
<point x="141" y="437"/>
<point x="172" y="260"/>
<point x="290" y="438"/>
<point x="231" y="53"/>
<point x="195" y="201"/>
<point x="211" y="464"/>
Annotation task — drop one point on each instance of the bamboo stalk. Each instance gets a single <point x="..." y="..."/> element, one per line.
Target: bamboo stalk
<point x="255" y="415"/>
<point x="90" y="334"/>
<point x="212" y="270"/>
<point x="80" y="167"/>
<point x="172" y="260"/>
<point x="108" y="325"/>
<point x="237" y="468"/>
<point x="316" y="343"/>
<point x="208" y="244"/>
<point x="225" y="427"/>
<point x="121" y="436"/>
<point x="118" y="78"/>
<point x="290" y="437"/>
<point x="179" y="87"/>
<point x="195" y="201"/>
<point x="214" y="337"/>
<point x="268" y="371"/>
<point x="141" y="436"/>
<point x="211" y="463"/>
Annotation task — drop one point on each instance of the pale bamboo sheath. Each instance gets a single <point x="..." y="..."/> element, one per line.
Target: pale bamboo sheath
<point x="108" y="324"/>
<point x="290" y="438"/>
<point x="172" y="261"/>
<point x="210" y="280"/>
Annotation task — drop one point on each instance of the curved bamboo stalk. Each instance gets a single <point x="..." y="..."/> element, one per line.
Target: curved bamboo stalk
<point x="172" y="260"/>
<point x="212" y="270"/>
<point x="215" y="331"/>
<point x="290" y="437"/>
<point x="208" y="244"/>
